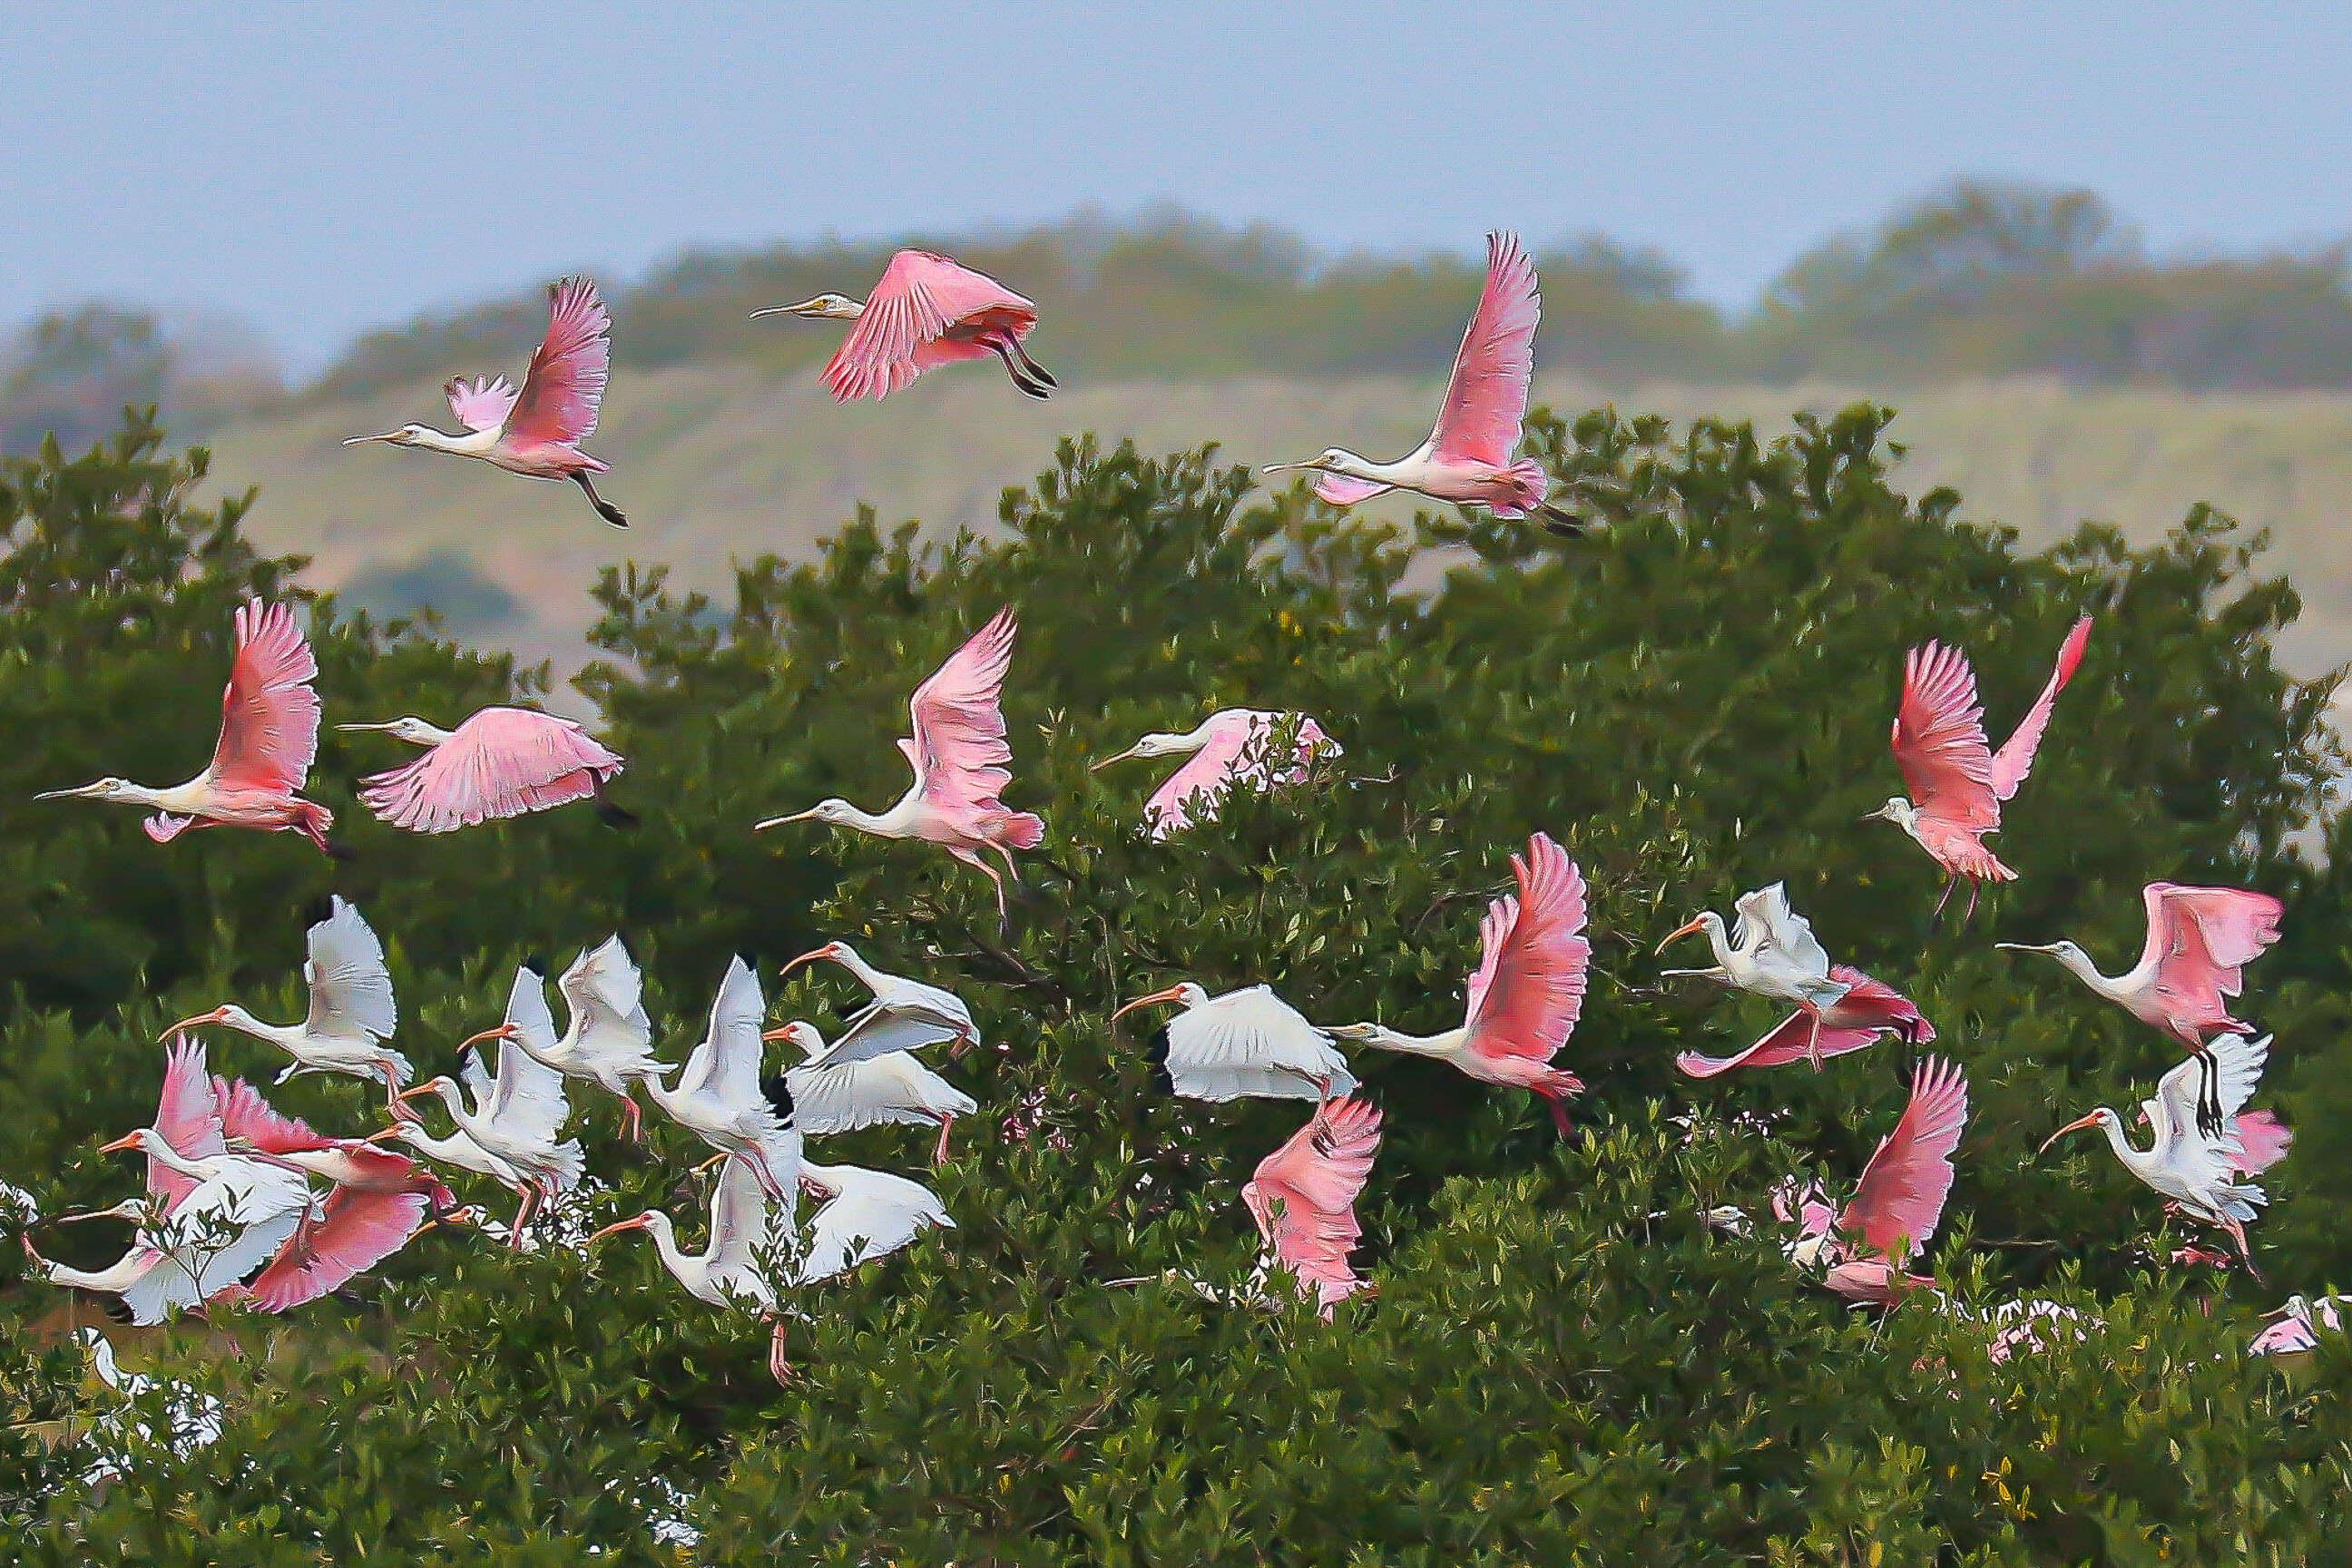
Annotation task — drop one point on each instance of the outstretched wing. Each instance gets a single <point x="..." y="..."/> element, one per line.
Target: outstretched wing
<point x="735" y="1020"/>
<point x="1528" y="989"/>
<point x="1486" y="400"/>
<point x="351" y="988"/>
<point x="359" y="1230"/>
<point x="1940" y="740"/>
<point x="481" y="404"/>
<point x="2201" y="939"/>
<point x="917" y="298"/>
<point x="251" y="1119"/>
<point x="1904" y="1187"/>
<point x="740" y="1225"/>
<point x="270" y="715"/>
<point x="187" y="1116"/>
<point x="1767" y="915"/>
<point x="500" y="762"/>
<point x="527" y="1098"/>
<point x="2015" y="758"/>
<point x="957" y="751"/>
<point x="874" y="1213"/>
<point x="604" y="993"/>
<point x="1191" y="793"/>
<point x="561" y="391"/>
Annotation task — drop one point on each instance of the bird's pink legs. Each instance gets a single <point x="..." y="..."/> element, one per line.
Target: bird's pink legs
<point x="1950" y="883"/>
<point x="939" y="1155"/>
<point x="778" y="1367"/>
<point x="1814" y="1044"/>
<point x="523" y="1215"/>
<point x="632" y="1120"/>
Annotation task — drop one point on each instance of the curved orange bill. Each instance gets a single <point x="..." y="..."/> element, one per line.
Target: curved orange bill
<point x="634" y="1222"/>
<point x="128" y="1141"/>
<point x="1697" y="924"/>
<point x="503" y="1032"/>
<point x="1174" y="993"/>
<point x="2074" y="1126"/>
<point x="804" y="958"/>
<point x="214" y="1016"/>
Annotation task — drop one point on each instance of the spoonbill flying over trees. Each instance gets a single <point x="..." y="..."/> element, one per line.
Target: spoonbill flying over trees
<point x="1303" y="1196"/>
<point x="720" y="1097"/>
<point x="958" y="752"/>
<point x="729" y="1272"/>
<point x="499" y="762"/>
<point x="1958" y="782"/>
<point x="606" y="1034"/>
<point x="1467" y="458"/>
<point x="844" y="1097"/>
<point x="1771" y="952"/>
<point x="1867" y="1010"/>
<point x="352" y="1008"/>
<point x="2296" y="1326"/>
<point x="268" y="739"/>
<point x="925" y="311"/>
<point x="2193" y="1166"/>
<point x="863" y="1214"/>
<point x="211" y="1218"/>
<point x="1244" y="1045"/>
<point x="2199" y="941"/>
<point x="1895" y="1211"/>
<point x="536" y="432"/>
<point x="518" y="1114"/>
<point x="904" y="1015"/>
<point x="1234" y="748"/>
<point x="1527" y="991"/>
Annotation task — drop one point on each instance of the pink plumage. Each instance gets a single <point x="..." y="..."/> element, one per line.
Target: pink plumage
<point x="1867" y="1010"/>
<point x="926" y="311"/>
<point x="2262" y="1141"/>
<point x="1528" y="992"/>
<point x="360" y="1229"/>
<point x="2297" y="1329"/>
<point x="186" y="1117"/>
<point x="1486" y="396"/>
<point x="1304" y="1194"/>
<point x="2199" y="941"/>
<point x="1239" y="752"/>
<point x="1903" y="1189"/>
<point x="958" y="749"/>
<point x="500" y="762"/>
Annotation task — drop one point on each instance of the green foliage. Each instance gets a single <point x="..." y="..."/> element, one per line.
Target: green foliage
<point x="1564" y="1364"/>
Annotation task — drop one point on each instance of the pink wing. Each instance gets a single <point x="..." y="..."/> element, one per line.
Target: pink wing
<point x="957" y="751"/>
<point x="2288" y="1336"/>
<point x="1338" y="489"/>
<point x="1866" y="1011"/>
<point x="481" y="404"/>
<point x="1939" y="739"/>
<point x="1317" y="1176"/>
<point x="500" y="762"/>
<point x="557" y="406"/>
<point x="1528" y="990"/>
<point x="1486" y="401"/>
<point x="269" y="716"/>
<point x="360" y="1230"/>
<point x="245" y="1114"/>
<point x="2262" y="1141"/>
<point x="1207" y="773"/>
<point x="1904" y="1187"/>
<point x="2201" y="939"/>
<point x="2016" y="755"/>
<point x="185" y="1117"/>
<point x="921" y="297"/>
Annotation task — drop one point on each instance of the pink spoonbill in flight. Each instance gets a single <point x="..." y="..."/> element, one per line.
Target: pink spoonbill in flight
<point x="1303" y="1196"/>
<point x="2297" y="1326"/>
<point x="1958" y="782"/>
<point x="1867" y="1010"/>
<point x="1244" y="1045"/>
<point x="1234" y="748"/>
<point x="927" y="310"/>
<point x="268" y="739"/>
<point x="1895" y="1211"/>
<point x="500" y="762"/>
<point x="958" y="752"/>
<point x="1527" y="992"/>
<point x="536" y="432"/>
<point x="1467" y="458"/>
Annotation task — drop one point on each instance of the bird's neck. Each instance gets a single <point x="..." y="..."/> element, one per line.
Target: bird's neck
<point x="1439" y="1045"/>
<point x="868" y="976"/>
<point x="285" y="1037"/>
<point x="433" y="734"/>
<point x="1355" y="467"/>
<point x="2138" y="1159"/>
<point x="2113" y="987"/>
<point x="472" y="444"/>
<point x="180" y="800"/>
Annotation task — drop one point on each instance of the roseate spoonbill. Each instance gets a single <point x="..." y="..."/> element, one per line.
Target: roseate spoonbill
<point x="1234" y="748"/>
<point x="499" y="762"/>
<point x="958" y="752"/>
<point x="2199" y="941"/>
<point x="1867" y="1010"/>
<point x="518" y="1114"/>
<point x="1528" y="992"/>
<point x="728" y="1273"/>
<point x="864" y="1215"/>
<point x="222" y="1216"/>
<point x="268" y="739"/>
<point x="379" y="1201"/>
<point x="927" y="310"/>
<point x="903" y="1016"/>
<point x="1244" y="1045"/>
<point x="891" y="1087"/>
<point x="1467" y="457"/>
<point x="2297" y="1326"/>
<point x="1895" y="1211"/>
<point x="1771" y="952"/>
<point x="720" y="1097"/>
<point x="605" y="1030"/>
<point x="2193" y="1166"/>
<point x="536" y="432"/>
<point x="352" y="1008"/>
<point x="1956" y="779"/>
<point x="1303" y="1196"/>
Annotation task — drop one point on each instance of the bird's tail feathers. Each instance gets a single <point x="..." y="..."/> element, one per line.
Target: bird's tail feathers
<point x="1023" y="830"/>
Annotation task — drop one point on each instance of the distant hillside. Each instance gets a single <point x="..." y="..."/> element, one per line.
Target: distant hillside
<point x="718" y="463"/>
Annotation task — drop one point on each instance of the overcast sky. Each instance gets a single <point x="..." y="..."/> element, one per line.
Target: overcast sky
<point x="320" y="169"/>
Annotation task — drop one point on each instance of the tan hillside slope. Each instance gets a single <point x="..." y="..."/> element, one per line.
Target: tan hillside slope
<point x="718" y="463"/>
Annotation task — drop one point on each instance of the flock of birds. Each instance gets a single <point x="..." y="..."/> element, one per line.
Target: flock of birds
<point x="245" y="1203"/>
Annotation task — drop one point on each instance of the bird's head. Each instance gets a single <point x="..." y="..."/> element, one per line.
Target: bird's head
<point x="2064" y="951"/>
<point x="228" y="1016"/>
<point x="103" y="789"/>
<point x="823" y="308"/>
<point x="800" y="1032"/>
<point x="407" y="727"/>
<point x="406" y="435"/>
<point x="2102" y="1117"/>
<point x="1330" y="461"/>
<point x="1896" y="810"/>
<point x="1359" y="1034"/>
<point x="442" y="1084"/>
<point x="1704" y="921"/>
<point x="145" y="1140"/>
<point x="1158" y="743"/>
<point x="831" y="952"/>
<point x="832" y="809"/>
<point x="1183" y="993"/>
<point x="647" y="1221"/>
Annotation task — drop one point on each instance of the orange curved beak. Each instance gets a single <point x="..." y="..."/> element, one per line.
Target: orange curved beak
<point x="2074" y="1126"/>
<point x="1676" y="935"/>
<point x="1174" y="993"/>
<point x="128" y="1141"/>
<point x="770" y="1036"/>
<point x="804" y="958"/>
<point x="634" y="1222"/>
<point x="214" y="1016"/>
<point x="503" y="1032"/>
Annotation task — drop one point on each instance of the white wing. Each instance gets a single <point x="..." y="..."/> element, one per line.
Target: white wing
<point x="527" y="1100"/>
<point x="881" y="1029"/>
<point x="603" y="992"/>
<point x="1251" y="1044"/>
<point x="1766" y="915"/>
<point x="873" y="1213"/>
<point x="738" y="1218"/>
<point x="895" y="1087"/>
<point x="351" y="989"/>
<point x="2238" y="1071"/>
<point x="733" y="1072"/>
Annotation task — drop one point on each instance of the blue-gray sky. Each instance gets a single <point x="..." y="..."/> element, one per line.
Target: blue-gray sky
<point x="318" y="169"/>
